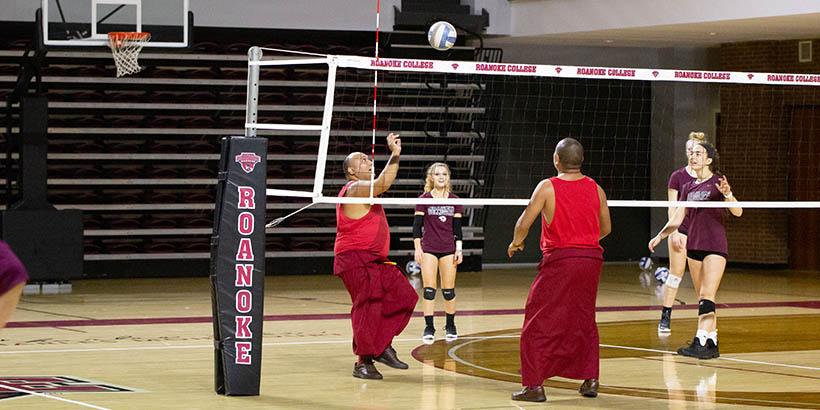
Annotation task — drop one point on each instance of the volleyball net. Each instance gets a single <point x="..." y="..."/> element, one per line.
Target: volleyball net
<point x="496" y="125"/>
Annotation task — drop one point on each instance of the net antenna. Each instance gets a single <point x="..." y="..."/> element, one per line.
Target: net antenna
<point x="126" y="47"/>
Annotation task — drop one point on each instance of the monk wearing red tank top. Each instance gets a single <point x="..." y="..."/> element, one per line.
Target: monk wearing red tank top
<point x="560" y="336"/>
<point x="383" y="299"/>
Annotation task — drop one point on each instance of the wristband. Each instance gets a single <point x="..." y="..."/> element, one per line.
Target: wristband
<point x="727" y="196"/>
<point x="458" y="245"/>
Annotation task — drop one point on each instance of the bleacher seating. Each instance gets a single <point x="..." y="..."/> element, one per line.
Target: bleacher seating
<point x="139" y="157"/>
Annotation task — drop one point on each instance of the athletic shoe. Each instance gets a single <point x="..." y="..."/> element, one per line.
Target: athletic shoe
<point x="715" y="351"/>
<point x="665" y="325"/>
<point x="707" y="351"/>
<point x="429" y="335"/>
<point x="450" y="332"/>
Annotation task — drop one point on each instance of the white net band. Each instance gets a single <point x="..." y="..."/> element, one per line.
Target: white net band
<point x="409" y="202"/>
<point x="125" y="47"/>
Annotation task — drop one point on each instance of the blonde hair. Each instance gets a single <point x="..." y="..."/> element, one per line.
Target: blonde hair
<point x="699" y="136"/>
<point x="428" y="182"/>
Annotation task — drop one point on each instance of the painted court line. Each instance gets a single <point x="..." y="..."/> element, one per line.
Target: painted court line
<point x="79" y="403"/>
<point x="472" y="339"/>
<point x="810" y="304"/>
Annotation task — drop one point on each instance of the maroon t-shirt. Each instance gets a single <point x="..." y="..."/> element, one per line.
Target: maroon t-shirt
<point x="706" y="231"/>
<point x="438" y="226"/>
<point x="677" y="180"/>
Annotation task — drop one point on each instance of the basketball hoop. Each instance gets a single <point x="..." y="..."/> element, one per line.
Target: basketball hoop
<point x="126" y="47"/>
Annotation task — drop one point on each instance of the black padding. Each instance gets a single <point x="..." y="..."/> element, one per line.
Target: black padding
<point x="448" y="294"/>
<point x="705" y="306"/>
<point x="418" y="222"/>
<point x="429" y="293"/>
<point x="457" y="229"/>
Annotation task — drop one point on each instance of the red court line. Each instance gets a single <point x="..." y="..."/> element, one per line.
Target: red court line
<point x="811" y="304"/>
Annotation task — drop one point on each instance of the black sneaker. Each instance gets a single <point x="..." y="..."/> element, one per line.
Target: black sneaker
<point x="429" y="335"/>
<point x="450" y="332"/>
<point x="699" y="351"/>
<point x="714" y="347"/>
<point x="665" y="325"/>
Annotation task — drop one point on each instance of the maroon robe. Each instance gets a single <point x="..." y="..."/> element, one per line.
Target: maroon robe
<point x="560" y="336"/>
<point x="383" y="299"/>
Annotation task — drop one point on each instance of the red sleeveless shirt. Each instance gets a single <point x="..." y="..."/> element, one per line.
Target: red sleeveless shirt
<point x="369" y="233"/>
<point x="575" y="223"/>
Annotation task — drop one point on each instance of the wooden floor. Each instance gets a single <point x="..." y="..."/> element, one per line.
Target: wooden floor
<point x="147" y="344"/>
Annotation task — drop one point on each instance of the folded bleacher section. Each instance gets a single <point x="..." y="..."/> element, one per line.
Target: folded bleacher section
<point x="138" y="155"/>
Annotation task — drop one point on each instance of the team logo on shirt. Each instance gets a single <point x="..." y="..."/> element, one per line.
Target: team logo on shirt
<point x="443" y="210"/>
<point x="248" y="160"/>
<point x="698" y="196"/>
<point x="442" y="218"/>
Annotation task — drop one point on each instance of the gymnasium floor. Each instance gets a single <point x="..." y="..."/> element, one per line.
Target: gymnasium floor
<point x="147" y="344"/>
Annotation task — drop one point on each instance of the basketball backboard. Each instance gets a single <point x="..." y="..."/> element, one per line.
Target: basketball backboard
<point x="88" y="22"/>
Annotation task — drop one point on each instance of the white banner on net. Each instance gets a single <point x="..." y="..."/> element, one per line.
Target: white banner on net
<point x="566" y="71"/>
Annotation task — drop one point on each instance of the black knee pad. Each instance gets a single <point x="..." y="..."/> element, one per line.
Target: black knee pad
<point x="429" y="293"/>
<point x="449" y="294"/>
<point x="705" y="306"/>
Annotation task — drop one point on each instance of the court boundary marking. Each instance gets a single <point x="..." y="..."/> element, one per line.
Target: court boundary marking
<point x="33" y="393"/>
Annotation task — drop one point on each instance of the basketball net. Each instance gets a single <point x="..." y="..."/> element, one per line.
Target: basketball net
<point x="126" y="46"/>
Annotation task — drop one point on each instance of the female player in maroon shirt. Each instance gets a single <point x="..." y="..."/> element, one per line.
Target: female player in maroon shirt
<point x="677" y="240"/>
<point x="438" y="248"/>
<point x="706" y="246"/>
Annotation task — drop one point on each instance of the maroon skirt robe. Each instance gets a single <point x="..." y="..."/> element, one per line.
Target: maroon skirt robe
<point x="383" y="299"/>
<point x="560" y="335"/>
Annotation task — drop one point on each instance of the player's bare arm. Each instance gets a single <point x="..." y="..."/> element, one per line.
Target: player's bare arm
<point x="381" y="184"/>
<point x="726" y="189"/>
<point x="538" y="203"/>
<point x="604" y="221"/>
<point x="670" y="227"/>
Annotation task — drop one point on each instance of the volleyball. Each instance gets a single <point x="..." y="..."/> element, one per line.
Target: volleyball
<point x="441" y="35"/>
<point x="661" y="274"/>
<point x="413" y="268"/>
<point x="645" y="263"/>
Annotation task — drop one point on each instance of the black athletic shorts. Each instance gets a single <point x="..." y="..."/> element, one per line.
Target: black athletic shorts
<point x="440" y="255"/>
<point x="701" y="255"/>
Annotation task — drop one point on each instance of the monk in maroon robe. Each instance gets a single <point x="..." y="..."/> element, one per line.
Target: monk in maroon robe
<point x="383" y="299"/>
<point x="560" y="336"/>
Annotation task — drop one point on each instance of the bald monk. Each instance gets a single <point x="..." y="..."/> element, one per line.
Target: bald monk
<point x="383" y="299"/>
<point x="560" y="336"/>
